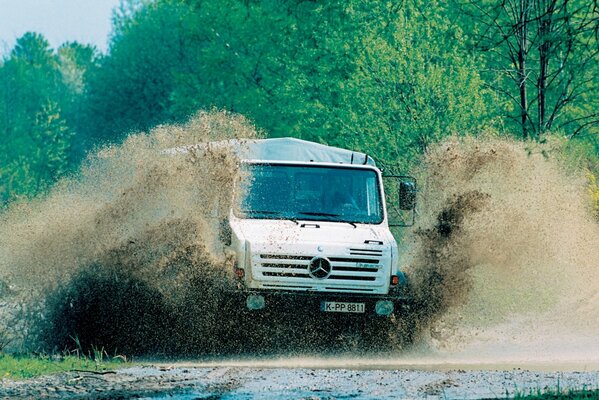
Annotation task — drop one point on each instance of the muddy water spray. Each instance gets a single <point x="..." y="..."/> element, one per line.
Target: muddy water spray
<point x="506" y="260"/>
<point x="131" y="232"/>
<point x="126" y="255"/>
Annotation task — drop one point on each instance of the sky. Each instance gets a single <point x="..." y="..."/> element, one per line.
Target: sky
<point x="85" y="21"/>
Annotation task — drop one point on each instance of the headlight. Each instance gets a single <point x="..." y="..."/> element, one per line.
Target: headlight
<point x="256" y="302"/>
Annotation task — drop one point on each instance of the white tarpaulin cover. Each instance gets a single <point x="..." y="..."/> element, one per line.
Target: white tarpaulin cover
<point x="285" y="149"/>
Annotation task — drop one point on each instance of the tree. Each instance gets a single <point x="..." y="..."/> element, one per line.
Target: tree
<point x="413" y="83"/>
<point x="131" y="88"/>
<point x="35" y="138"/>
<point x="338" y="72"/>
<point x="76" y="62"/>
<point x="543" y="58"/>
<point x="170" y="58"/>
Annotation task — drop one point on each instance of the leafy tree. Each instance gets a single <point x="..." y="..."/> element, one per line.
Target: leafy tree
<point x="337" y="72"/>
<point x="131" y="88"/>
<point x="76" y="62"/>
<point x="412" y="85"/>
<point x="542" y="58"/>
<point x="170" y="58"/>
<point x="34" y="137"/>
<point x="46" y="156"/>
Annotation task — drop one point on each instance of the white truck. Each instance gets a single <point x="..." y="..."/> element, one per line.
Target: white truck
<point x="310" y="229"/>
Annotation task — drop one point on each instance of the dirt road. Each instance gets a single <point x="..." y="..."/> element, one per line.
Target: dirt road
<point x="270" y="380"/>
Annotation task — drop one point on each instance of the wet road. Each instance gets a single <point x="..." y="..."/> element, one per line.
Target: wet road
<point x="307" y="379"/>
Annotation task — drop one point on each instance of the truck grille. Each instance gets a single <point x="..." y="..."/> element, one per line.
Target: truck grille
<point x="362" y="266"/>
<point x="366" y="252"/>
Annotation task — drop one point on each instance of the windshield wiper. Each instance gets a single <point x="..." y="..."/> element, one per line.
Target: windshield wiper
<point x="322" y="214"/>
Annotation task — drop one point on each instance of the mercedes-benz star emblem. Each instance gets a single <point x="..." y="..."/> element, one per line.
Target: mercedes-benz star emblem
<point x="319" y="268"/>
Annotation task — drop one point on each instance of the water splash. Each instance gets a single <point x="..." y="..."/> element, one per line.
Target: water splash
<point x="131" y="231"/>
<point x="506" y="258"/>
<point x="125" y="256"/>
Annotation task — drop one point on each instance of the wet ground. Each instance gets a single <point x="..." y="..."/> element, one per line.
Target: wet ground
<point x="308" y="379"/>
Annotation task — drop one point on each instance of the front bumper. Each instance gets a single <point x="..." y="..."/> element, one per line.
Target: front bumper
<point x="310" y="302"/>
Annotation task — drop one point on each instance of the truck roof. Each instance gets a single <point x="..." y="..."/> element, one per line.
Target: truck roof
<point x="284" y="149"/>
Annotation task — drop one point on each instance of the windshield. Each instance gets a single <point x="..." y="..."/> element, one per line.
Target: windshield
<point x="316" y="193"/>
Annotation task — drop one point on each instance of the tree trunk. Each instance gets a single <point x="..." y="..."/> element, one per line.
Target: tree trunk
<point x="522" y="32"/>
<point x="545" y="12"/>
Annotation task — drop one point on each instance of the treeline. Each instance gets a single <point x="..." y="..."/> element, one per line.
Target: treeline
<point x="384" y="77"/>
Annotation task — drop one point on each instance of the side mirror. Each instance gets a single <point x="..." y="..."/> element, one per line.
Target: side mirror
<point x="407" y="195"/>
<point x="400" y="194"/>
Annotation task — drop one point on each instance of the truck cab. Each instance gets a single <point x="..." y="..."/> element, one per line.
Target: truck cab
<point x="310" y="230"/>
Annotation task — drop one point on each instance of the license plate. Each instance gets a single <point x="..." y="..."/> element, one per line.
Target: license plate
<point x="337" y="306"/>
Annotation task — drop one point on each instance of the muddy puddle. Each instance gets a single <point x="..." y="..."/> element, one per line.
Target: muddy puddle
<point x="392" y="362"/>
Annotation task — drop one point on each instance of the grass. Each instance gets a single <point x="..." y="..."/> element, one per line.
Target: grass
<point x="584" y="394"/>
<point x="17" y="367"/>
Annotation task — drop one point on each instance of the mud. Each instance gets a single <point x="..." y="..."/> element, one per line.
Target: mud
<point x="128" y="245"/>
<point x="520" y="275"/>
<point x="193" y="382"/>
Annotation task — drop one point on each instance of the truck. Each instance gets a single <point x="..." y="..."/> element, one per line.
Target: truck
<point x="310" y="229"/>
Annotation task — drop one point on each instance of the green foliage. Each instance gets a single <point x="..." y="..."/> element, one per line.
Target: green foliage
<point x="413" y="85"/>
<point x="388" y="78"/>
<point x="541" y="58"/>
<point x="169" y="59"/>
<point x="30" y="366"/>
<point x="39" y="91"/>
<point x="48" y="143"/>
<point x="349" y="73"/>
<point x="76" y="63"/>
<point x="131" y="89"/>
<point x="583" y="394"/>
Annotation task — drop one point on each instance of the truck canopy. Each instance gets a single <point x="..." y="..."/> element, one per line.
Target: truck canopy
<point x="283" y="149"/>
